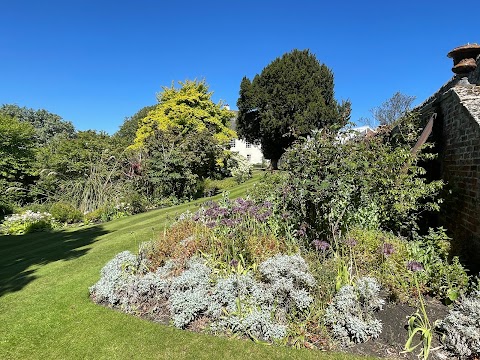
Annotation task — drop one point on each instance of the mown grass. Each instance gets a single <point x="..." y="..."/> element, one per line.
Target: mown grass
<point x="45" y="311"/>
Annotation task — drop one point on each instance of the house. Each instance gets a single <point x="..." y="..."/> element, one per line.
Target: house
<point x="252" y="152"/>
<point x="355" y="133"/>
<point x="454" y="128"/>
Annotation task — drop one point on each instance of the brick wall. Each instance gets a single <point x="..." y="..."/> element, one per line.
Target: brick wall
<point x="456" y="135"/>
<point x="460" y="168"/>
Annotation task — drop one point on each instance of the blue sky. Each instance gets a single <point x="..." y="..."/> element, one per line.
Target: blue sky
<point x="96" y="62"/>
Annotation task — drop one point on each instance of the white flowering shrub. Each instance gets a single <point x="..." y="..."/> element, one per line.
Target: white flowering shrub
<point x="239" y="167"/>
<point x="461" y="328"/>
<point x="351" y="314"/>
<point x="26" y="222"/>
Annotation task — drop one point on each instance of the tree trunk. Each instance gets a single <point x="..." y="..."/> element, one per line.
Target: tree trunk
<point x="274" y="164"/>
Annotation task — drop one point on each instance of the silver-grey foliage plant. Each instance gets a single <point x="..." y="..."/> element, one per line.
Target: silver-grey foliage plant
<point x="237" y="303"/>
<point x="461" y="327"/>
<point x="351" y="314"/>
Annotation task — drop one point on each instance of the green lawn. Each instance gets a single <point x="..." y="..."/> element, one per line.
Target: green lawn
<point x="45" y="311"/>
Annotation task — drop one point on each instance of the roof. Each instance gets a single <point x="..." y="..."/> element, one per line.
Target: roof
<point x="470" y="98"/>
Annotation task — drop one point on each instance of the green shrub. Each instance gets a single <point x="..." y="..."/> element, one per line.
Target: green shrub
<point x="65" y="213"/>
<point x="102" y="214"/>
<point x="6" y="208"/>
<point x="213" y="187"/>
<point x="110" y="212"/>
<point x="136" y="203"/>
<point x="442" y="277"/>
<point x="381" y="255"/>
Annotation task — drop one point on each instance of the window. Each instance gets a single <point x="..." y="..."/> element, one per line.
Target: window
<point x="248" y="145"/>
<point x="249" y="157"/>
<point x="232" y="143"/>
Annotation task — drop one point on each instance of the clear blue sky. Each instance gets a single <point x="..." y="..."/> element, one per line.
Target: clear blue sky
<point x="96" y="62"/>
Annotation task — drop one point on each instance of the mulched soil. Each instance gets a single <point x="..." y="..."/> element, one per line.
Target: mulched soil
<point x="392" y="340"/>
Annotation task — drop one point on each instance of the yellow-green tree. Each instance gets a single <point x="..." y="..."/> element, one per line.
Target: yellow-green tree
<point x="180" y="142"/>
<point x="184" y="111"/>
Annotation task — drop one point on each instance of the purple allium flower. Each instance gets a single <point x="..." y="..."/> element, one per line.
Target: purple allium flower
<point x="211" y="224"/>
<point x="302" y="230"/>
<point x="414" y="266"/>
<point x="196" y="216"/>
<point x="388" y="249"/>
<point x="267" y="204"/>
<point x="211" y="212"/>
<point x="222" y="212"/>
<point x="234" y="263"/>
<point x="228" y="222"/>
<point x="320" y="245"/>
<point x="238" y="210"/>
<point x="253" y="210"/>
<point x="351" y="242"/>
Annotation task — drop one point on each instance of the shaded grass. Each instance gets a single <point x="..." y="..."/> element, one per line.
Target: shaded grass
<point x="46" y="313"/>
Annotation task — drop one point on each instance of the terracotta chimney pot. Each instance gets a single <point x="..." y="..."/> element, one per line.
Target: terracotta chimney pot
<point x="464" y="58"/>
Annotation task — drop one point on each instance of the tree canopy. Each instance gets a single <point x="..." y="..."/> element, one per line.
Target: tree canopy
<point x="183" y="111"/>
<point x="393" y="109"/>
<point x="180" y="141"/>
<point x="292" y="96"/>
<point x="128" y="129"/>
<point x="16" y="156"/>
<point x="47" y="125"/>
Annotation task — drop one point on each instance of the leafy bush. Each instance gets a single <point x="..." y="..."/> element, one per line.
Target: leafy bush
<point x="461" y="328"/>
<point x="373" y="182"/>
<point x="6" y="208"/>
<point x="443" y="278"/>
<point x="379" y="254"/>
<point x="136" y="203"/>
<point x="109" y="212"/>
<point x="27" y="222"/>
<point x="99" y="215"/>
<point x="351" y="314"/>
<point x="65" y="213"/>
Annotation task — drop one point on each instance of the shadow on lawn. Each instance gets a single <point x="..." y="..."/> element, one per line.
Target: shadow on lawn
<point x="21" y="252"/>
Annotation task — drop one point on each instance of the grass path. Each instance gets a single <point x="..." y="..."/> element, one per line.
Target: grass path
<point x="45" y="311"/>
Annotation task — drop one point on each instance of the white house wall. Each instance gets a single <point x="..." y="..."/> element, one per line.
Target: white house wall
<point x="252" y="153"/>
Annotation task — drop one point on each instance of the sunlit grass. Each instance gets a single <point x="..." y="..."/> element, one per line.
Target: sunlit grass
<point x="45" y="311"/>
